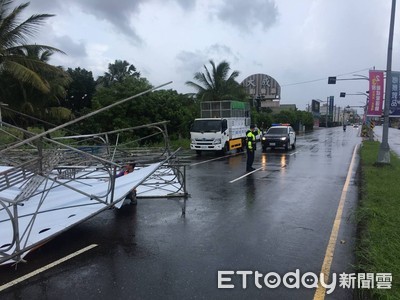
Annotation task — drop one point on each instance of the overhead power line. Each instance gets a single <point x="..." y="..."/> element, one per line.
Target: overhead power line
<point x="324" y="79"/>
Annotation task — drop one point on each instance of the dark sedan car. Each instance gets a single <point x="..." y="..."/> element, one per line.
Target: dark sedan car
<point x="279" y="136"/>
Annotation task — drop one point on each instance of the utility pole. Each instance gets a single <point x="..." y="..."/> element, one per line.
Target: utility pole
<point x="326" y="116"/>
<point x="384" y="149"/>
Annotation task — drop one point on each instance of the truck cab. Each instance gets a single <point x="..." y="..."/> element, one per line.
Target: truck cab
<point x="208" y="134"/>
<point x="222" y="127"/>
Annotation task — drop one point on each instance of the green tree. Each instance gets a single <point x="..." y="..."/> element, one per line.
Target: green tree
<point x="118" y="72"/>
<point x="32" y="101"/>
<point x="262" y="119"/>
<point x="306" y="119"/>
<point x="180" y="110"/>
<point x="216" y="84"/>
<point x="13" y="47"/>
<point x="125" y="115"/>
<point x="27" y="82"/>
<point x="295" y="118"/>
<point x="161" y="105"/>
<point x="286" y="116"/>
<point x="80" y="91"/>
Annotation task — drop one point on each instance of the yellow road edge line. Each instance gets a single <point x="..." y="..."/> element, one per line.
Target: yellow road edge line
<point x="47" y="267"/>
<point x="326" y="265"/>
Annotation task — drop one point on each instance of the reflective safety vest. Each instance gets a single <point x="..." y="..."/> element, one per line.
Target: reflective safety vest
<point x="251" y="140"/>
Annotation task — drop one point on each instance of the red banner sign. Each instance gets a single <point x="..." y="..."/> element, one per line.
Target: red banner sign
<point x="375" y="102"/>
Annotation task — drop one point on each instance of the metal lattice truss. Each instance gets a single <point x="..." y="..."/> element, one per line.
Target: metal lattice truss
<point x="62" y="187"/>
<point x="47" y="187"/>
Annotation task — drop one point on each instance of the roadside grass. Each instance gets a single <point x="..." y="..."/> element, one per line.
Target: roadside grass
<point x="183" y="143"/>
<point x="378" y="215"/>
<point x="9" y="135"/>
<point x="176" y="143"/>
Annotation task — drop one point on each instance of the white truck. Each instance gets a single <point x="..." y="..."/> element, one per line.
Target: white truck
<point x="222" y="126"/>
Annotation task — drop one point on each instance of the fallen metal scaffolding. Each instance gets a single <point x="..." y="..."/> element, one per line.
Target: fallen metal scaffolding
<point x="47" y="187"/>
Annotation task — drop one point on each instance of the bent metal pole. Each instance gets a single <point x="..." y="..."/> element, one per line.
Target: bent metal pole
<point x="81" y="118"/>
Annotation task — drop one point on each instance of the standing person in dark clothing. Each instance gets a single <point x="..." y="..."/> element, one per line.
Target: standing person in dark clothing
<point x="251" y="147"/>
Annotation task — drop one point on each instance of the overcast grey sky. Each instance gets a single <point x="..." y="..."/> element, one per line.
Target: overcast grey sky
<point x="293" y="41"/>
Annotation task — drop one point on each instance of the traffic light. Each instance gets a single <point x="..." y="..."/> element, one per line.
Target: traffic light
<point x="342" y="94"/>
<point x="331" y="80"/>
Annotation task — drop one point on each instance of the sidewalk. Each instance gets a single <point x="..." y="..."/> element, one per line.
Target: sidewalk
<point x="393" y="139"/>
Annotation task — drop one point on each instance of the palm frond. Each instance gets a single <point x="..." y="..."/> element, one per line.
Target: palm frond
<point x="25" y="75"/>
<point x="196" y="86"/>
<point x="11" y="31"/>
<point x="215" y="84"/>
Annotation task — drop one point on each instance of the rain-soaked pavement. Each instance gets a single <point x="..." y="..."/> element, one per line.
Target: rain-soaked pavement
<point x="278" y="219"/>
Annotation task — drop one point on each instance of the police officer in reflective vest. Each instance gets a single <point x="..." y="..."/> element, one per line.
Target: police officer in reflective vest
<point x="251" y="147"/>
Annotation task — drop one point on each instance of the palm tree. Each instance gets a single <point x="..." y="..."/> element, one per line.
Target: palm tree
<point x="118" y="72"/>
<point x="27" y="82"/>
<point x="217" y="85"/>
<point x="35" y="102"/>
<point x="13" y="38"/>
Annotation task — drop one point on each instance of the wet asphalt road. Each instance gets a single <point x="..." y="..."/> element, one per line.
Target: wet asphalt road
<point x="278" y="219"/>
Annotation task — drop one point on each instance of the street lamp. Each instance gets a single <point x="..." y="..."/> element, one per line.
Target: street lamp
<point x="362" y="76"/>
<point x="333" y="79"/>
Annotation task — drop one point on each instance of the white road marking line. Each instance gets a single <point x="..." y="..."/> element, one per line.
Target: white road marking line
<point x="47" y="267"/>
<point x="247" y="174"/>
